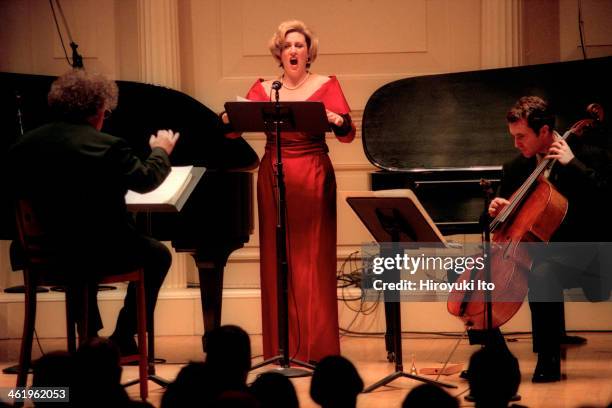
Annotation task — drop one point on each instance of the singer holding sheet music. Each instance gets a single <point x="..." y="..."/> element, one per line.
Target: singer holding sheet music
<point x="76" y="178"/>
<point x="311" y="202"/>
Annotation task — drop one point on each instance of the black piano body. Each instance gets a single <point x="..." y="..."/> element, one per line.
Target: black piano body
<point x="217" y="218"/>
<point x="439" y="135"/>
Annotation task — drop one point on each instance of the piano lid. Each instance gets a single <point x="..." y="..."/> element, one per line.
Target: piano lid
<point x="457" y="121"/>
<point x="142" y="110"/>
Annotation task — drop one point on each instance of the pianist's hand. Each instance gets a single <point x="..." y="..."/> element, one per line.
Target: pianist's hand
<point x="497" y="204"/>
<point x="166" y="139"/>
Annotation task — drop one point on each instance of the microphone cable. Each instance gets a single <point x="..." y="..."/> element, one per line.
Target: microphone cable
<point x="59" y="32"/>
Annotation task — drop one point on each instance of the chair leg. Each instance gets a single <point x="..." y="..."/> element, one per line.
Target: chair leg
<point x="70" y="319"/>
<point x="25" y="355"/>
<point x="142" y="339"/>
<point x="83" y="323"/>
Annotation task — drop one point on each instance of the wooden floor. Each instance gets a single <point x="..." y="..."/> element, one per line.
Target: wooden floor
<point x="588" y="368"/>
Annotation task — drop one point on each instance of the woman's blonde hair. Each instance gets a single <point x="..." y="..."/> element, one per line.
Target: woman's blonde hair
<point x="286" y="27"/>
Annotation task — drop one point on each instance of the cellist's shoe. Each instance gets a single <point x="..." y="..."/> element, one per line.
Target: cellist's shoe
<point x="548" y="368"/>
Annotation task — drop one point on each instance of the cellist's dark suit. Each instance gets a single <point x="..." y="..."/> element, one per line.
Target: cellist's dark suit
<point x="584" y="182"/>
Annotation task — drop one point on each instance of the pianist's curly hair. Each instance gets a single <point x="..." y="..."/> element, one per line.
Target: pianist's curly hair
<point x="78" y="95"/>
<point x="286" y="27"/>
<point x="535" y="110"/>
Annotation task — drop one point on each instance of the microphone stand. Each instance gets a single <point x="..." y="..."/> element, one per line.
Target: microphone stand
<point x="77" y="59"/>
<point x="491" y="338"/>
<point x="486" y="246"/>
<point x="282" y="266"/>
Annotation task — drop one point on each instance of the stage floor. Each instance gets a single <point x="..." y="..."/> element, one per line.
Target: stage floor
<point x="588" y="368"/>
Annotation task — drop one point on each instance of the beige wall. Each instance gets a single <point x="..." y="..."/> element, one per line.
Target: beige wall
<point x="366" y="46"/>
<point x="596" y="17"/>
<point x="30" y="43"/>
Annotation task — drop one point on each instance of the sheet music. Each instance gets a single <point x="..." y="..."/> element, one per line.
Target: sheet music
<point x="168" y="192"/>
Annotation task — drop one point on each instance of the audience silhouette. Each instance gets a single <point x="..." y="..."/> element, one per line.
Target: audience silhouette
<point x="335" y="383"/>
<point x="429" y="395"/>
<point x="98" y="376"/>
<point x="93" y="376"/>
<point x="494" y="377"/>
<point x="194" y="385"/>
<point x="228" y="355"/>
<point x="274" y="390"/>
<point x="55" y="369"/>
<point x="236" y="399"/>
<point x="221" y="377"/>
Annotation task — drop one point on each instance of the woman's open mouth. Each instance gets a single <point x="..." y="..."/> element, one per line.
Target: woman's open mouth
<point x="293" y="61"/>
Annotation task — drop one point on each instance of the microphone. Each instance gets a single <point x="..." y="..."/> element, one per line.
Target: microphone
<point x="276" y="85"/>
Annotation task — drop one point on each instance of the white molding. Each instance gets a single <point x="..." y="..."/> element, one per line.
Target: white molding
<point x="158" y="42"/>
<point x="501" y="33"/>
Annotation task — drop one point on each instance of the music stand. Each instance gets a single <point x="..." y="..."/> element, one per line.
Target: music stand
<point x="280" y="117"/>
<point x="396" y="216"/>
<point x="147" y="203"/>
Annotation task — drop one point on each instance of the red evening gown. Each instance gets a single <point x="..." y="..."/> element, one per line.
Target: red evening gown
<point x="311" y="235"/>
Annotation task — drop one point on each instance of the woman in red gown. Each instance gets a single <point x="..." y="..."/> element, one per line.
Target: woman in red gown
<point x="311" y="203"/>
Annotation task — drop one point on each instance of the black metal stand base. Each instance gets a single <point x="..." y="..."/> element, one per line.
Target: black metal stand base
<point x="285" y="369"/>
<point x="162" y="382"/>
<point x="401" y="374"/>
<point x="393" y="314"/>
<point x="14" y="370"/>
<point x="151" y="376"/>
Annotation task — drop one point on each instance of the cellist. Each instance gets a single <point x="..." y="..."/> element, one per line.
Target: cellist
<point x="581" y="173"/>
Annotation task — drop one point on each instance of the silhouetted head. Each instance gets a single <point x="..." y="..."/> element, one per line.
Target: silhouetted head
<point x="228" y="352"/>
<point x="274" y="390"/>
<point x="55" y="369"/>
<point x="335" y="383"/>
<point x="429" y="395"/>
<point x="494" y="377"/>
<point x="99" y="358"/>
<point x="193" y="386"/>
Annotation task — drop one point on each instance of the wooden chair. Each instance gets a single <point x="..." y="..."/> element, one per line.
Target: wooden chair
<point x="41" y="268"/>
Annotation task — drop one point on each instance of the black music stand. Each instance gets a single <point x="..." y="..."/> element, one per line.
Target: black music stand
<point x="280" y="117"/>
<point x="148" y="204"/>
<point x="396" y="216"/>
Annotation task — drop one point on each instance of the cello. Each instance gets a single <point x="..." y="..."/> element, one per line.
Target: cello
<point x="535" y="211"/>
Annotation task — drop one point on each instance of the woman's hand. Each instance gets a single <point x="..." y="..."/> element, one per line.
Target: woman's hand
<point x="334" y="118"/>
<point x="225" y="118"/>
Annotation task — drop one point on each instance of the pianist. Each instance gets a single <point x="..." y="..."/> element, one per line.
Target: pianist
<point x="76" y="177"/>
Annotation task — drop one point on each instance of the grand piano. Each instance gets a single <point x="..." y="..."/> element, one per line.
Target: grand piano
<point x="217" y="218"/>
<point x="439" y="135"/>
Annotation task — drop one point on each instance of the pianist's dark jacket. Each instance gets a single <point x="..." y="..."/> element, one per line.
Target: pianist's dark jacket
<point x="77" y="178"/>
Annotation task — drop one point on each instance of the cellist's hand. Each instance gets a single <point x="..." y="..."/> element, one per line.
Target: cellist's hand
<point x="560" y="150"/>
<point x="497" y="204"/>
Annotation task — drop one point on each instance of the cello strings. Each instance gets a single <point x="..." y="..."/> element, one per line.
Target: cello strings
<point x="522" y="191"/>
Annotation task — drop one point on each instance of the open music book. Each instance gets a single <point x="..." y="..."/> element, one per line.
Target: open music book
<point x="171" y="195"/>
